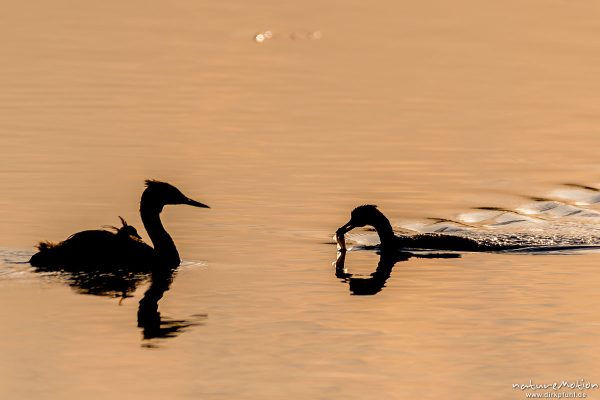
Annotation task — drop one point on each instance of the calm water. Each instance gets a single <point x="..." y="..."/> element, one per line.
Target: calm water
<point x="427" y="110"/>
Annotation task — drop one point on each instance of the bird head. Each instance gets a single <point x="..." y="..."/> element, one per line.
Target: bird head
<point x="159" y="194"/>
<point x="359" y="217"/>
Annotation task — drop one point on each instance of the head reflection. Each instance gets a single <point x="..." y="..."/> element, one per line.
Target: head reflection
<point x="153" y="325"/>
<point x="375" y="282"/>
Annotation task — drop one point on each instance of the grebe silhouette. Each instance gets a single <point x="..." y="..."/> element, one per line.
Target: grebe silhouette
<point x="369" y="215"/>
<point x="123" y="249"/>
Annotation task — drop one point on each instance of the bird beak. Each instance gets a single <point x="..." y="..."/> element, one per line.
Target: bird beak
<point x="346" y="228"/>
<point x="195" y="203"/>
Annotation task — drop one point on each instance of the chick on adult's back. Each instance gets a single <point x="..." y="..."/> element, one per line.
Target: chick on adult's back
<point x="122" y="249"/>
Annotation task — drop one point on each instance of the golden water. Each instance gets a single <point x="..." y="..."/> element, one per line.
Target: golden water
<point x="427" y="109"/>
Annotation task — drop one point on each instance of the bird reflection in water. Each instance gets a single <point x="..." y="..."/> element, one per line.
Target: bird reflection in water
<point x="375" y="282"/>
<point x="153" y="325"/>
<point x="122" y="284"/>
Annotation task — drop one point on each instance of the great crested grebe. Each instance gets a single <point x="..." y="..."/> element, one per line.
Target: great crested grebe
<point x="124" y="248"/>
<point x="369" y="215"/>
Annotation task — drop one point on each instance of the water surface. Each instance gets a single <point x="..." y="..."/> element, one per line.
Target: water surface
<point x="430" y="110"/>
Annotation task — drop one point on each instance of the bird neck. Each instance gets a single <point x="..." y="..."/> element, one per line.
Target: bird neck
<point x="163" y="243"/>
<point x="385" y="231"/>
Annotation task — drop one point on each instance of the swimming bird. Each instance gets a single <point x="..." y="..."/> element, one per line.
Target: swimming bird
<point x="123" y="249"/>
<point x="369" y="215"/>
